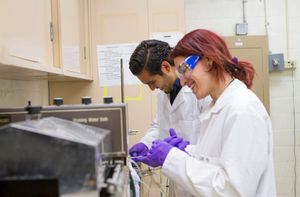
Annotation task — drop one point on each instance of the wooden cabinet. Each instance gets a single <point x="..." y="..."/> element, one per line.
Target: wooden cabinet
<point x="36" y="41"/>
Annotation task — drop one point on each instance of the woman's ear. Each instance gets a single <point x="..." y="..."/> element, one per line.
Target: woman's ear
<point x="209" y="62"/>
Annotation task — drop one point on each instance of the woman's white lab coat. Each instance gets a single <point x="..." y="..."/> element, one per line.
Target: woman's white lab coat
<point x="234" y="153"/>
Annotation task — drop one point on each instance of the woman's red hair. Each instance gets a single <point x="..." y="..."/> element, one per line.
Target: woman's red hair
<point x="210" y="45"/>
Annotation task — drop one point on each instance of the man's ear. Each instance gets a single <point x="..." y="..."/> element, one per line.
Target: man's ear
<point x="166" y="67"/>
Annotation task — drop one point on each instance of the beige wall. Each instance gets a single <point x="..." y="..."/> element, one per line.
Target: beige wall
<point x="16" y="93"/>
<point x="129" y="22"/>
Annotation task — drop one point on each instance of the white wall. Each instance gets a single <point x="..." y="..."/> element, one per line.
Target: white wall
<point x="284" y="37"/>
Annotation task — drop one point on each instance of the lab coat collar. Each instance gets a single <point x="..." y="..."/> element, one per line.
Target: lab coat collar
<point x="180" y="98"/>
<point x="222" y="101"/>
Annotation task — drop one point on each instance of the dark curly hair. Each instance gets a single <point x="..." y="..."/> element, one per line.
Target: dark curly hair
<point x="149" y="55"/>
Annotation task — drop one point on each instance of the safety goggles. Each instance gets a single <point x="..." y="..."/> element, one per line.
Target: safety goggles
<point x="185" y="69"/>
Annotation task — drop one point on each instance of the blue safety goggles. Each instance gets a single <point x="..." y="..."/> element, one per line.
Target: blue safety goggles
<point x="185" y="69"/>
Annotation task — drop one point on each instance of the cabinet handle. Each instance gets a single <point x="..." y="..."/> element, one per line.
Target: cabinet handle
<point x="84" y="52"/>
<point x="51" y="31"/>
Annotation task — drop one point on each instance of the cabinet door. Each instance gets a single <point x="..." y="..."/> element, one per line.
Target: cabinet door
<point x="25" y="33"/>
<point x="70" y="23"/>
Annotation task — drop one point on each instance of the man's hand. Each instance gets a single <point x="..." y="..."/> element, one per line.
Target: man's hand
<point x="139" y="149"/>
<point x="157" y="154"/>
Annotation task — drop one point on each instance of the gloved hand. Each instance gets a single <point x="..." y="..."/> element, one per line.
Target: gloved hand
<point x="176" y="141"/>
<point x="139" y="149"/>
<point x="173" y="135"/>
<point x="157" y="154"/>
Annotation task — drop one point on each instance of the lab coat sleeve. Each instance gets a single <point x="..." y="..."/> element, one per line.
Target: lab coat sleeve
<point x="190" y="149"/>
<point x="244" y="157"/>
<point x="152" y="133"/>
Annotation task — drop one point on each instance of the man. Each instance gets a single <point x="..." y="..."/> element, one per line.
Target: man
<point x="151" y="64"/>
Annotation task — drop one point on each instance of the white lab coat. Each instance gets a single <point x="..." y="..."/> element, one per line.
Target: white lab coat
<point x="183" y="116"/>
<point x="234" y="153"/>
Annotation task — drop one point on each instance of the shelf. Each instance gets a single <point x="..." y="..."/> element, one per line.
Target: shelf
<point x="11" y="72"/>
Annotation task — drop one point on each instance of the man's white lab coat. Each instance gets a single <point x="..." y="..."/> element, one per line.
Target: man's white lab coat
<point x="234" y="153"/>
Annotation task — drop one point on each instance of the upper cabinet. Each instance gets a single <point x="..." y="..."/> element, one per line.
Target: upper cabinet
<point x="25" y="38"/>
<point x="43" y="38"/>
<point x="70" y="24"/>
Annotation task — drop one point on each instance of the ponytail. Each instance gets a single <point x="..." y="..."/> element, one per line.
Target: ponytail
<point x="242" y="70"/>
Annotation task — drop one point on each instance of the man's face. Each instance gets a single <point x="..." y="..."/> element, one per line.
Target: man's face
<point x="163" y="82"/>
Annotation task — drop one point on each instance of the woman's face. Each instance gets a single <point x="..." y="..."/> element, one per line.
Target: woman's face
<point x="199" y="80"/>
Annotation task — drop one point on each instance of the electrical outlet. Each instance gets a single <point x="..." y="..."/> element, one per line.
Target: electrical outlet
<point x="290" y="64"/>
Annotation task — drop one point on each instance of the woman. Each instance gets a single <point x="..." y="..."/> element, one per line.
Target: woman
<point x="234" y="152"/>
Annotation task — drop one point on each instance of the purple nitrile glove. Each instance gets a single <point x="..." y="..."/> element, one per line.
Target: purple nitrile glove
<point x="157" y="154"/>
<point x="139" y="149"/>
<point x="183" y="145"/>
<point x="176" y="141"/>
<point x="172" y="135"/>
